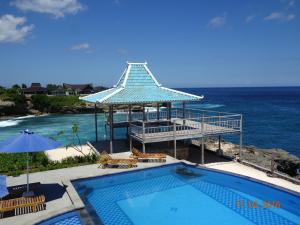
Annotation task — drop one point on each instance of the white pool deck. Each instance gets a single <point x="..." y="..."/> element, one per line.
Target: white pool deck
<point x="70" y="200"/>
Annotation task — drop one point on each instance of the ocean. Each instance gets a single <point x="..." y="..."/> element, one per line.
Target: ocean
<point x="271" y="117"/>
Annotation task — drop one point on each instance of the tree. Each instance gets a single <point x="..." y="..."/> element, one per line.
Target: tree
<point x="2" y="90"/>
<point x="16" y="86"/>
<point x="76" y="140"/>
<point x="51" y="87"/>
<point x="40" y="102"/>
<point x="24" y="86"/>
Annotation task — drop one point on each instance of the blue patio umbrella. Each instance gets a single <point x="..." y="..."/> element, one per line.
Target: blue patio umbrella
<point x="27" y="141"/>
<point x="3" y="187"/>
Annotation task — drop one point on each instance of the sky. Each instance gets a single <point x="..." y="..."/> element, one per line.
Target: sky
<point x="186" y="43"/>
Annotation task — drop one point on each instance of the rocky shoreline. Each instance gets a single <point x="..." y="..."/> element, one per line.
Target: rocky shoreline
<point x="284" y="161"/>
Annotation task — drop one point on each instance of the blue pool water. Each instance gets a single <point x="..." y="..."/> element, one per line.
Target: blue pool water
<point x="70" y="218"/>
<point x="271" y="117"/>
<point x="185" y="195"/>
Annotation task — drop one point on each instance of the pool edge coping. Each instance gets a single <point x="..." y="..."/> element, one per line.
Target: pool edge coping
<point x="245" y="177"/>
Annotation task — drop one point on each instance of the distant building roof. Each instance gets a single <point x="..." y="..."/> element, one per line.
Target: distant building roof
<point x="77" y="86"/>
<point x="138" y="85"/>
<point x="36" y="85"/>
<point x="35" y="88"/>
<point x="59" y="89"/>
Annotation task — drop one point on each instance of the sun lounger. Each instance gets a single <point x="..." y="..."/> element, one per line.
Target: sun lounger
<point x="148" y="157"/>
<point x="22" y="205"/>
<point x="107" y="161"/>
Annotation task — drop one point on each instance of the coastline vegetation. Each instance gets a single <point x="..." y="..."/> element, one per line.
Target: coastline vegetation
<point x="45" y="103"/>
<point x="14" y="102"/>
<point x="15" y="164"/>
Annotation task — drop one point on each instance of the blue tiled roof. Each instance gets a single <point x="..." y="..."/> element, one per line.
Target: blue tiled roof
<point x="138" y="85"/>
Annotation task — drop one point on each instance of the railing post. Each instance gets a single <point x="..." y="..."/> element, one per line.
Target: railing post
<point x="111" y="122"/>
<point x="144" y="147"/>
<point x="157" y="112"/>
<point x="147" y="115"/>
<point x="144" y="117"/>
<point x="174" y="133"/>
<point x="130" y="143"/>
<point x="202" y="124"/>
<point x="202" y="150"/>
<point x="241" y="138"/>
<point x="143" y="130"/>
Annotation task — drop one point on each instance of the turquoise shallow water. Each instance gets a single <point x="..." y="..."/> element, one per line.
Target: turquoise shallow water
<point x="51" y="125"/>
<point x="271" y="117"/>
<point x="164" y="196"/>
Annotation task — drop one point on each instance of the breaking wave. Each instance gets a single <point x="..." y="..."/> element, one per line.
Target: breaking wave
<point x="14" y="121"/>
<point x="209" y="106"/>
<point x="9" y="123"/>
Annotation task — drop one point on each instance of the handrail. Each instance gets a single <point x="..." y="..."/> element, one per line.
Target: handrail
<point x="200" y="126"/>
<point x="196" y="115"/>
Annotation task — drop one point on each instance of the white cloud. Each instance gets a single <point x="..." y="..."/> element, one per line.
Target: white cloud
<point x="12" y="28"/>
<point x="217" y="21"/>
<point x="250" y="18"/>
<point x="280" y="16"/>
<point x="86" y="47"/>
<point x="291" y="3"/>
<point x="58" y="8"/>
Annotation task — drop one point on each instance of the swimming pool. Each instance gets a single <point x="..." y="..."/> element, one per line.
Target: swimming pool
<point x="70" y="218"/>
<point x="184" y="194"/>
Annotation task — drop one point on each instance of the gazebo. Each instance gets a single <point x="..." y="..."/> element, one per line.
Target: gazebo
<point x="138" y="87"/>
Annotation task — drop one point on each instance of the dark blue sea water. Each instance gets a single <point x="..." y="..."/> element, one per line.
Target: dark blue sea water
<point x="271" y="117"/>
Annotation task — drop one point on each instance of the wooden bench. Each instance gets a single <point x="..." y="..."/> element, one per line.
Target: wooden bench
<point x="23" y="205"/>
<point x="107" y="161"/>
<point x="148" y="157"/>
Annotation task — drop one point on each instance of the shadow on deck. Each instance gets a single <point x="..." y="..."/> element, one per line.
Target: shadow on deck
<point x="186" y="151"/>
<point x="51" y="191"/>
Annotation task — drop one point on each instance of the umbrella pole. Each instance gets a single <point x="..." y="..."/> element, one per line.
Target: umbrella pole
<point x="28" y="193"/>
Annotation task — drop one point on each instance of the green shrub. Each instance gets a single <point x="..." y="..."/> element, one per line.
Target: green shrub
<point x="15" y="164"/>
<point x="13" y="94"/>
<point x="54" y="103"/>
<point x="40" y="102"/>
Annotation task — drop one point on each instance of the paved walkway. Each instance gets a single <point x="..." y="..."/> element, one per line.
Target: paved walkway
<point x="59" y="201"/>
<point x="238" y="168"/>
